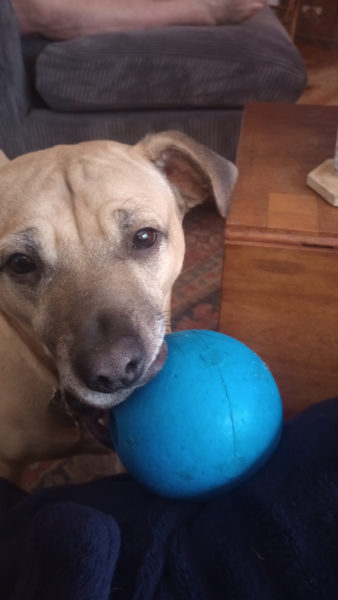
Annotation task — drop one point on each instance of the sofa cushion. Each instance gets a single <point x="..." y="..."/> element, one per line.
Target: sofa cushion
<point x="172" y="67"/>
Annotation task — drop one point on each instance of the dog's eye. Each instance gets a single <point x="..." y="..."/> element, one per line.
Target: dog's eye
<point x="145" y="238"/>
<point x="20" y="264"/>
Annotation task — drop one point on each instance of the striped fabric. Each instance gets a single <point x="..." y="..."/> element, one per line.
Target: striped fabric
<point x="172" y="68"/>
<point x="14" y="95"/>
<point x="123" y="86"/>
<point x="218" y="129"/>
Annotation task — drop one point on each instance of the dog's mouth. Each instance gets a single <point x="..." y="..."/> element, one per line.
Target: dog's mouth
<point x="95" y="419"/>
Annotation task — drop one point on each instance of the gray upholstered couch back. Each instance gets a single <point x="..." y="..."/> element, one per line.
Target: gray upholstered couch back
<point x="124" y="85"/>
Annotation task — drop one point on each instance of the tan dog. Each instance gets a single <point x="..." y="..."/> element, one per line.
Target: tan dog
<point x="91" y="243"/>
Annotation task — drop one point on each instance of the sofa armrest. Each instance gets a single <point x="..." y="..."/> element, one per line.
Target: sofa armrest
<point x="15" y="96"/>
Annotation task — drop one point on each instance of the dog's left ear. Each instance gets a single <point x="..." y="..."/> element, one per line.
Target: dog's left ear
<point x="195" y="171"/>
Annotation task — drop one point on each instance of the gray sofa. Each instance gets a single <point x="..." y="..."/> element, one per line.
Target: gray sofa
<point x="124" y="85"/>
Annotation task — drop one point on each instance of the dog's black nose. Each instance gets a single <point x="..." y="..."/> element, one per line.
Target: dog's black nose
<point x="108" y="367"/>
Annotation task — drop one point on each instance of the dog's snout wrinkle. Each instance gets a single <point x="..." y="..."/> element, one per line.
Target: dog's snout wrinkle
<point x="107" y="367"/>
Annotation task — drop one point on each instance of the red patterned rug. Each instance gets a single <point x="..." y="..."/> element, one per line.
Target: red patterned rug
<point x="195" y="305"/>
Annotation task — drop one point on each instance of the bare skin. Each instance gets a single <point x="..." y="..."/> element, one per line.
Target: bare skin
<point x="66" y="19"/>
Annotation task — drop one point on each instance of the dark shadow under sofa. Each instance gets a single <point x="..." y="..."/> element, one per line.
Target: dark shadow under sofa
<point x="124" y="85"/>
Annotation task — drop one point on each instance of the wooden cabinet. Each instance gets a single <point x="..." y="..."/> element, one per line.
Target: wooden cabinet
<point x="318" y="19"/>
<point x="280" y="272"/>
<point x="313" y="19"/>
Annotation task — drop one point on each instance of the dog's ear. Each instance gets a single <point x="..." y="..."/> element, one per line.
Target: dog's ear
<point x="195" y="171"/>
<point x="3" y="159"/>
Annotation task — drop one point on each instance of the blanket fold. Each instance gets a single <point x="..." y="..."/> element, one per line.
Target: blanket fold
<point x="274" y="537"/>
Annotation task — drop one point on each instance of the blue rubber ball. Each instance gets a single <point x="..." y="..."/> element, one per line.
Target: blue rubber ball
<point x="210" y="418"/>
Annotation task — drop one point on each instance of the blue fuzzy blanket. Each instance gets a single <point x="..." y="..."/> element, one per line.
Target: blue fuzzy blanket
<point x="274" y="537"/>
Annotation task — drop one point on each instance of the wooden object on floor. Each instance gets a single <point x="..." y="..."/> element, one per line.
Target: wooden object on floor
<point x="324" y="180"/>
<point x="280" y="272"/>
<point x="318" y="20"/>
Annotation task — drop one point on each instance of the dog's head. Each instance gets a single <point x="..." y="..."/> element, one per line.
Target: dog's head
<point x="90" y="245"/>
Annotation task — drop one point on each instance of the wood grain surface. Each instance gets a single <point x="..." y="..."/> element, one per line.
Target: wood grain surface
<point x="280" y="271"/>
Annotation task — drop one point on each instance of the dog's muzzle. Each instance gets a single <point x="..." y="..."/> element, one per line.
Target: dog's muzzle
<point x="107" y="368"/>
<point x="94" y="418"/>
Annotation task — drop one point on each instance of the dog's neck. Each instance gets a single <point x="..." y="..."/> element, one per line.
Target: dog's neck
<point x="27" y="385"/>
<point x="21" y="355"/>
<point x="32" y="348"/>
